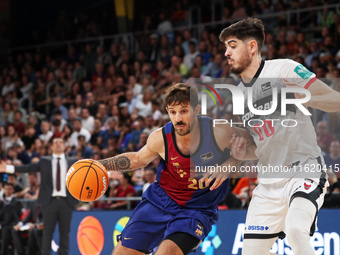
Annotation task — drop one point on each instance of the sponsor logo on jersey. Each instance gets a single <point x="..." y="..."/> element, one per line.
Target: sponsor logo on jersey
<point x="303" y="72"/>
<point x="174" y="158"/>
<point x="306" y="185"/>
<point x="266" y="86"/>
<point x="207" y="156"/>
<point x="258" y="228"/>
<point x="199" y="226"/>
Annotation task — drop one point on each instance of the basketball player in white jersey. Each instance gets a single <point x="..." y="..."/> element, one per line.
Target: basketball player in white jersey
<point x="284" y="202"/>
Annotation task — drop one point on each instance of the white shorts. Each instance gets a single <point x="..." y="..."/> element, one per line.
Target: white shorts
<point x="270" y="202"/>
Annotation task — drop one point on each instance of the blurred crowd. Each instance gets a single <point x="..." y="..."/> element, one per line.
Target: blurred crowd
<point x="106" y="99"/>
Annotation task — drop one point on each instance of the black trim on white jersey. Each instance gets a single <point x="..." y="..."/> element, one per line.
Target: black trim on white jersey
<point x="280" y="235"/>
<point x="255" y="76"/>
<point x="268" y="100"/>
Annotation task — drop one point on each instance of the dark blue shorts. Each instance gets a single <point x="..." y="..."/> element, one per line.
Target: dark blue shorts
<point x="150" y="223"/>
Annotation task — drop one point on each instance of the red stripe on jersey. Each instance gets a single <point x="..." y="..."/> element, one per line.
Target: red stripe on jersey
<point x="176" y="174"/>
<point x="310" y="82"/>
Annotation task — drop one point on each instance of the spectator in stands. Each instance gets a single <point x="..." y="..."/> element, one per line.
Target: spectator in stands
<point x="83" y="150"/>
<point x="32" y="120"/>
<point x="57" y="130"/>
<point x="87" y="120"/>
<point x="29" y="137"/>
<point x="239" y="10"/>
<point x="78" y="105"/>
<point x="10" y="210"/>
<point x="124" y="189"/>
<point x="34" y="151"/>
<point x="130" y="100"/>
<point x="97" y="128"/>
<point x="33" y="225"/>
<point x="71" y="116"/>
<point x="6" y="112"/>
<point x="177" y="66"/>
<point x="11" y="138"/>
<point x="323" y="137"/>
<point x="59" y="106"/>
<point x="156" y="113"/>
<point x="89" y="59"/>
<point x="314" y="53"/>
<point x="58" y="116"/>
<point x="12" y="179"/>
<point x="149" y="125"/>
<point x="134" y="86"/>
<point x="8" y="87"/>
<point x="332" y="159"/>
<point x="124" y="115"/>
<point x="67" y="132"/>
<point x="15" y="107"/>
<point x="99" y="90"/>
<point x="78" y="130"/>
<point x="46" y="133"/>
<point x="138" y="126"/>
<point x="187" y="39"/>
<point x="32" y="191"/>
<point x="189" y="58"/>
<point x="179" y="16"/>
<point x="124" y="138"/>
<point x="17" y="123"/>
<point x="143" y="137"/>
<point x="149" y="177"/>
<point x="102" y="113"/>
<point x="164" y="25"/>
<point x="143" y="105"/>
<point x="153" y="50"/>
<point x="40" y="100"/>
<point x="214" y="68"/>
<point x="91" y="103"/>
<point x="112" y="131"/>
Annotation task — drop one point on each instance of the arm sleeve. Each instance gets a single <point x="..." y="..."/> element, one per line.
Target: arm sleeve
<point x="296" y="73"/>
<point x="35" y="167"/>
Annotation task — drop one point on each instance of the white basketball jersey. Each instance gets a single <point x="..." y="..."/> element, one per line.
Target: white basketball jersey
<point x="277" y="144"/>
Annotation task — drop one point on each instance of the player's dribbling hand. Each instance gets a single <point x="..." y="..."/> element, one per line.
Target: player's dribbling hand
<point x="238" y="146"/>
<point x="220" y="177"/>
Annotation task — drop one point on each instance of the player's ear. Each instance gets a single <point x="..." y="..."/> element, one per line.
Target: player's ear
<point x="252" y="44"/>
<point x="197" y="109"/>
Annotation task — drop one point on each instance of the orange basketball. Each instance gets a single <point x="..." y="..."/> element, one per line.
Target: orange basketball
<point x="90" y="236"/>
<point x="87" y="180"/>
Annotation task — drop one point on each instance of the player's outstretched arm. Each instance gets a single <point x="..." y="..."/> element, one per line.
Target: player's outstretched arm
<point x="134" y="160"/>
<point x="323" y="97"/>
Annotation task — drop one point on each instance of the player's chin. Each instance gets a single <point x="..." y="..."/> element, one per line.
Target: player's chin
<point x="182" y="132"/>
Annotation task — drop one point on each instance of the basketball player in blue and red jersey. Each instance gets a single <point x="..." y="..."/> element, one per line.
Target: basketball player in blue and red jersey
<point x="178" y="210"/>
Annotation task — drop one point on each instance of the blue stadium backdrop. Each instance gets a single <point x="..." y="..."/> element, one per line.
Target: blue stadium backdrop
<point x="225" y="237"/>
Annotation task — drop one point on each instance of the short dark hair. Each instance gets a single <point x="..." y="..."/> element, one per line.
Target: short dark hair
<point x="56" y="122"/>
<point x="245" y="29"/>
<point x="181" y="93"/>
<point x="9" y="184"/>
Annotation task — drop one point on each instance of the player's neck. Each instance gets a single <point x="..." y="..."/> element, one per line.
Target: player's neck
<point x="249" y="73"/>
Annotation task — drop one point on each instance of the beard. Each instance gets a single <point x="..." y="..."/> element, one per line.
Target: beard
<point x="182" y="132"/>
<point x="242" y="65"/>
